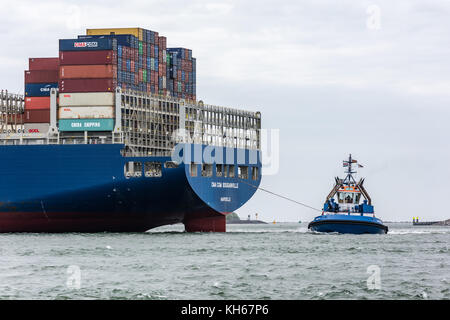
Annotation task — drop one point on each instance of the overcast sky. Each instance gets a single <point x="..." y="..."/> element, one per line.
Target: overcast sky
<point x="371" y="78"/>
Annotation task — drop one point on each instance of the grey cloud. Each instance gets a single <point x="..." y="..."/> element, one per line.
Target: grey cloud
<point x="313" y="68"/>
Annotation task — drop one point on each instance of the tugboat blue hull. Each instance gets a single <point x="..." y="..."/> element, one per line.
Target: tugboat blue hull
<point x="348" y="224"/>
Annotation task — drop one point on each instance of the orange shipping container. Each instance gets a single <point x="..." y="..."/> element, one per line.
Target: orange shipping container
<point x="88" y="72"/>
<point x="37" y="103"/>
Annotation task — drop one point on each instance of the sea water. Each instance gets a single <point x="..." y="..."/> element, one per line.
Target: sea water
<point x="272" y="261"/>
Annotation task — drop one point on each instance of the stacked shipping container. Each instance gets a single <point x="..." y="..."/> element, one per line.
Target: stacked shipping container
<point x="90" y="68"/>
<point x="141" y="58"/>
<point x="182" y="73"/>
<point x="88" y="78"/>
<point x="146" y="64"/>
<point x="41" y="77"/>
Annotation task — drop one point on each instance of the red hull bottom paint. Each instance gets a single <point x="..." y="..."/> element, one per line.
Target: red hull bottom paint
<point x="74" y="222"/>
<point x="39" y="222"/>
<point x="205" y="222"/>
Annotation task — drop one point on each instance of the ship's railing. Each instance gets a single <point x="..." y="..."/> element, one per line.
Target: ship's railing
<point x="154" y="124"/>
<point x="11" y="112"/>
<point x="57" y="138"/>
<point x="148" y="125"/>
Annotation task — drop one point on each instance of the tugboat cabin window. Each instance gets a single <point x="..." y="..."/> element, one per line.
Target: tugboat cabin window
<point x="133" y="169"/>
<point x="347" y="197"/>
<point x="153" y="169"/>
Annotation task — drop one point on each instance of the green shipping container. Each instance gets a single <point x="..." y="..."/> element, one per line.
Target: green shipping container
<point x="86" y="125"/>
<point x="140" y="48"/>
<point x="144" y="75"/>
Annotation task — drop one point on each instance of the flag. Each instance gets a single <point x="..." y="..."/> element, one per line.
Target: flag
<point x="345" y="164"/>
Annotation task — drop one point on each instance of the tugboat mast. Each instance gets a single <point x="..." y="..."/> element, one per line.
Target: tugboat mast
<point x="349" y="179"/>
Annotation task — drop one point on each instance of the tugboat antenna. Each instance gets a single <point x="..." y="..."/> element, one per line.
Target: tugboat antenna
<point x="349" y="179"/>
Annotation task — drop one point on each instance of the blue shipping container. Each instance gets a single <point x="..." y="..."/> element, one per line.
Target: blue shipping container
<point x="39" y="89"/>
<point x="122" y="39"/>
<point x="87" y="44"/>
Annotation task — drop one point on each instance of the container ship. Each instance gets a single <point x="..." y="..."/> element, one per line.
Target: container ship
<point x="110" y="137"/>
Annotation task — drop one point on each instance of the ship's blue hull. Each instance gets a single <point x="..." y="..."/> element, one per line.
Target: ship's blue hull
<point x="83" y="188"/>
<point x="352" y="224"/>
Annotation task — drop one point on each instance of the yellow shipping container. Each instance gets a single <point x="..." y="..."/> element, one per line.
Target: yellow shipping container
<point x="137" y="32"/>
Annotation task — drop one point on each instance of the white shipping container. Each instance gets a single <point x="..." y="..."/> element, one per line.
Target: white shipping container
<point x="164" y="82"/>
<point x="36" y="127"/>
<point x="86" y="99"/>
<point x="101" y="112"/>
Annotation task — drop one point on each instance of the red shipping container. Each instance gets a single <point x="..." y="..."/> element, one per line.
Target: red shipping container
<point x="88" y="71"/>
<point x="37" y="103"/>
<point x="37" y="116"/>
<point x="132" y="65"/>
<point x="87" y="85"/>
<point x="162" y="43"/>
<point x="41" y="76"/>
<point x="87" y="57"/>
<point x="43" y="64"/>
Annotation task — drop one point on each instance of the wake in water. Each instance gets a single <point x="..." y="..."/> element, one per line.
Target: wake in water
<point x="302" y="228"/>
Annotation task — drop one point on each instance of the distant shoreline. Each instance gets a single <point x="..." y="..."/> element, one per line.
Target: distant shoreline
<point x="246" y="222"/>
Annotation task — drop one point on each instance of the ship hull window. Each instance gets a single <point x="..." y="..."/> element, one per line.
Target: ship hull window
<point x="219" y="170"/>
<point x="232" y="174"/>
<point x="207" y="170"/>
<point x="255" y="173"/>
<point x="133" y="169"/>
<point x="243" y="172"/>
<point x="193" y="169"/>
<point x="153" y="169"/>
<point x="170" y="165"/>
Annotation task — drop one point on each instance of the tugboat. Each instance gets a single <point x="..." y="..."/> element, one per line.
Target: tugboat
<point x="343" y="211"/>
